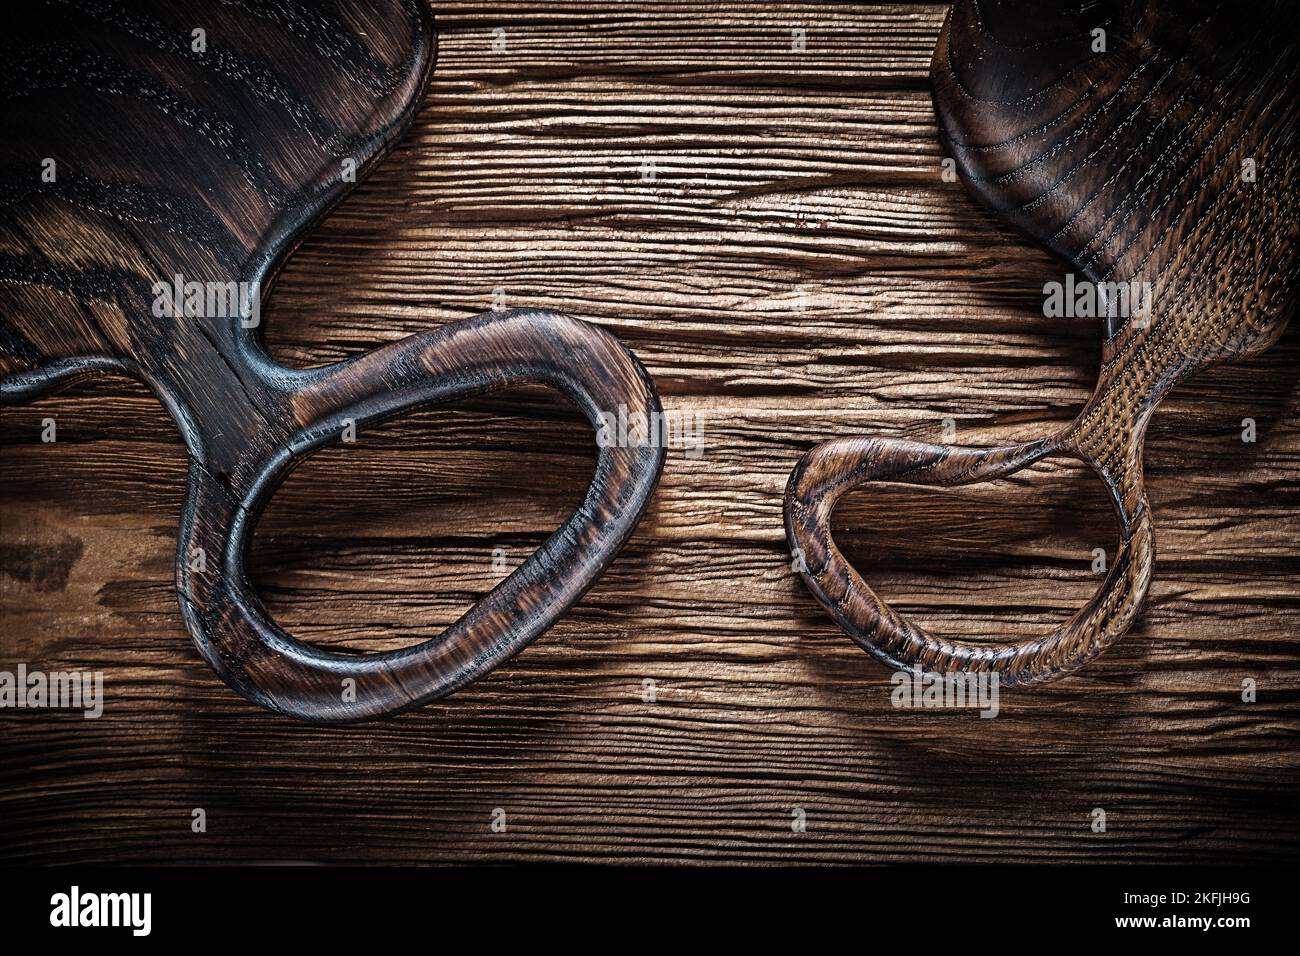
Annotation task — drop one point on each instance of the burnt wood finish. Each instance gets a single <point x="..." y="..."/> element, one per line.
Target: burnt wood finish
<point x="1144" y="143"/>
<point x="191" y="146"/>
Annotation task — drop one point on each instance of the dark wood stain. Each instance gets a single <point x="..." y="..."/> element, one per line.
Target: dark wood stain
<point x="44" y="566"/>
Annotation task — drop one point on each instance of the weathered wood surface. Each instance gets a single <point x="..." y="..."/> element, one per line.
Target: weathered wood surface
<point x="796" y="270"/>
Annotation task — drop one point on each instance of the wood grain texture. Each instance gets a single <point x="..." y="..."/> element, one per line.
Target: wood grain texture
<point x="796" y="270"/>
<point x="1117" y="136"/>
<point x="190" y="172"/>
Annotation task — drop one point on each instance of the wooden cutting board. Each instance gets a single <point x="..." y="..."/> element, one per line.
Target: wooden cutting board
<point x="1153" y="148"/>
<point x="166" y="160"/>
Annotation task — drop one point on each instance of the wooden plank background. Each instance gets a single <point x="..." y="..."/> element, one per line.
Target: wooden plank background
<point x="795" y="269"/>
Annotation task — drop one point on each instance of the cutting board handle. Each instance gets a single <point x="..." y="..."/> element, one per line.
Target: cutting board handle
<point x="833" y="468"/>
<point x="231" y="628"/>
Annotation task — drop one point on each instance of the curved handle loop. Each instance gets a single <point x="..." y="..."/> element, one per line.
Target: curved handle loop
<point x="268" y="666"/>
<point x="831" y="469"/>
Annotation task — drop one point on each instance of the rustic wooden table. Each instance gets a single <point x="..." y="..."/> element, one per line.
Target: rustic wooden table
<point x="750" y="197"/>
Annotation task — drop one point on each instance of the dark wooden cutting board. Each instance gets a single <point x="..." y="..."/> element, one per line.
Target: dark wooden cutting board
<point x="166" y="159"/>
<point x="149" y="140"/>
<point x="1153" y="148"/>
